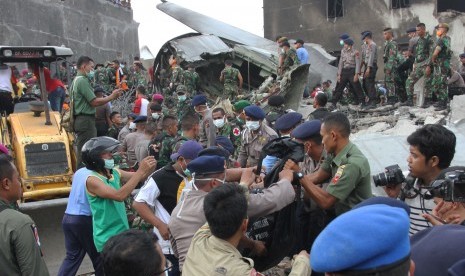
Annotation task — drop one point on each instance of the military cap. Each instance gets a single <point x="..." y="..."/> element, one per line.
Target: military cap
<point x="462" y="55"/>
<point x="189" y="150"/>
<point x="107" y="63"/>
<point x="442" y="25"/>
<point x="344" y="36"/>
<point x="411" y="30"/>
<point x="286" y="43"/>
<point x="215" y="151"/>
<point x="386" y="201"/>
<point x="307" y="130"/>
<point x="255" y="112"/>
<point x="225" y="143"/>
<point x="363" y="239"/>
<point x="156" y="107"/>
<point x="206" y="164"/>
<point x="365" y="34"/>
<point x="157" y="97"/>
<point x="199" y="100"/>
<point x="132" y="116"/>
<point x="349" y="41"/>
<point x="276" y="100"/>
<point x="240" y="105"/>
<point x="181" y="89"/>
<point x="98" y="89"/>
<point x="140" y="119"/>
<point x="288" y="121"/>
<point x="436" y="249"/>
<point x="282" y="39"/>
<point x="299" y="41"/>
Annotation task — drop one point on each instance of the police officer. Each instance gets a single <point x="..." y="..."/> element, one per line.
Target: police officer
<point x="254" y="137"/>
<point x="191" y="79"/>
<point x="276" y="104"/>
<point x="19" y="239"/>
<point x="348" y="73"/>
<point x="390" y="58"/>
<point x="230" y="76"/>
<point x="369" y="63"/>
<point x="345" y="165"/>
<point x="422" y="52"/>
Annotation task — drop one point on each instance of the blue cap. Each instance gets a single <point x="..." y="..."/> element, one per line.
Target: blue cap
<point x="307" y="130"/>
<point x="436" y="249"/>
<point x="349" y="41"/>
<point x="411" y="30"/>
<point x="254" y="112"/>
<point x="215" y="151"/>
<point x="344" y="36"/>
<point x="140" y="119"/>
<point x="365" y="34"/>
<point x="288" y="121"/>
<point x="189" y="150"/>
<point x="393" y="202"/>
<point x="361" y="239"/>
<point x="132" y="116"/>
<point x="206" y="164"/>
<point x="458" y="269"/>
<point x="225" y="143"/>
<point x="199" y="100"/>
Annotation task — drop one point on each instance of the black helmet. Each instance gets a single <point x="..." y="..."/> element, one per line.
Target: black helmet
<point x="93" y="148"/>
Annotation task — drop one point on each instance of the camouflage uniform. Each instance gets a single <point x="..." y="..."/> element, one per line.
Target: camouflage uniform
<point x="289" y="59"/>
<point x="177" y="143"/>
<point x="231" y="89"/>
<point x="176" y="76"/>
<point x="252" y="145"/>
<point x="62" y="75"/>
<point x="165" y="150"/>
<point x="102" y="79"/>
<point x="137" y="79"/>
<point x="191" y="80"/>
<point x="441" y="68"/>
<point x="114" y="130"/>
<point x="390" y="67"/>
<point x="423" y="51"/>
<point x="272" y="115"/>
<point x="236" y="128"/>
<point x="182" y="108"/>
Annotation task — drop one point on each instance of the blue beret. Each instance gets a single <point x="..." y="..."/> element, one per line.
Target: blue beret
<point x="386" y="201"/>
<point x="254" y="112"/>
<point x="288" y="121"/>
<point x="344" y="36"/>
<point x="206" y="164"/>
<point x="462" y="55"/>
<point x="225" y="143"/>
<point x="412" y="30"/>
<point x="215" y="151"/>
<point x="132" y="116"/>
<point x="365" y="34"/>
<point x="361" y="239"/>
<point x="348" y="41"/>
<point x="436" y="249"/>
<point x="199" y="100"/>
<point x="458" y="269"/>
<point x="307" y="129"/>
<point x="140" y="119"/>
<point x="189" y="150"/>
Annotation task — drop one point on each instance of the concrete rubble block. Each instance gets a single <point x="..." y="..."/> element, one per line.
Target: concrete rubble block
<point x="368" y="121"/>
<point x="457" y="106"/>
<point x="434" y="119"/>
<point x="376" y="128"/>
<point x="404" y="127"/>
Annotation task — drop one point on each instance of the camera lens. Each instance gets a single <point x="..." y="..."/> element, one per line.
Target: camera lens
<point x="380" y="179"/>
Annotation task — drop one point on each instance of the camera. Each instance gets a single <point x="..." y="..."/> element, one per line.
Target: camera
<point x="391" y="176"/>
<point x="452" y="188"/>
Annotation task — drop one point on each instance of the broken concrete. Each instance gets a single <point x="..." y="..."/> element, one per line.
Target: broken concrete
<point x="457" y="106"/>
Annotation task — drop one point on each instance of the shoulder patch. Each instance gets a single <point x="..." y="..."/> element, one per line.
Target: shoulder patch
<point x="220" y="271"/>
<point x="236" y="131"/>
<point x="338" y="174"/>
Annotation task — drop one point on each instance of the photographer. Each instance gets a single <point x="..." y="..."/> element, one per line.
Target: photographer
<point x="432" y="148"/>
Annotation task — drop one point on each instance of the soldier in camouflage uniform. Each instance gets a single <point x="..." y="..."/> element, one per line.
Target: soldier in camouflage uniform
<point x="230" y="76"/>
<point x="390" y="58"/>
<point x="183" y="105"/>
<point x="238" y="124"/>
<point x="137" y="77"/>
<point x="164" y="142"/>
<point x="290" y="58"/>
<point x="176" y="74"/>
<point x="190" y="130"/>
<point x="422" y="51"/>
<point x="62" y="74"/>
<point x="191" y="79"/>
<point x="102" y="79"/>
<point x="276" y="104"/>
<point x="440" y="64"/>
<point x="223" y="126"/>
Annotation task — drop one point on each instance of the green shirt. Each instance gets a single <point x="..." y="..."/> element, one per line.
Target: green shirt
<point x="108" y="216"/>
<point x="19" y="251"/>
<point x="350" y="173"/>
<point x="82" y="94"/>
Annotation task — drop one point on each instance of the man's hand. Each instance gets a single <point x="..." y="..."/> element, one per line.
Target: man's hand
<point x="248" y="176"/>
<point x="147" y="165"/>
<point x="116" y="93"/>
<point x="367" y="73"/>
<point x="393" y="191"/>
<point x="440" y="217"/>
<point x="291" y="165"/>
<point x="428" y="70"/>
<point x="286" y="174"/>
<point x="164" y="232"/>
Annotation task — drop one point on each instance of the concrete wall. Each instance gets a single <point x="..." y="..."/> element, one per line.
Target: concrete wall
<point x="307" y="19"/>
<point x="96" y="28"/>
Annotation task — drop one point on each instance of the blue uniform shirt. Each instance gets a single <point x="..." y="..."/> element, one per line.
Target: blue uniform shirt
<point x="302" y="55"/>
<point x="78" y="204"/>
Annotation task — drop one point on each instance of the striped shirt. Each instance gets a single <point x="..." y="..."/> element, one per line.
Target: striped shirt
<point x="418" y="206"/>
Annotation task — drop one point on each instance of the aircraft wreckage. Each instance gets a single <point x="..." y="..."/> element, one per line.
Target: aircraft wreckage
<point x="255" y="57"/>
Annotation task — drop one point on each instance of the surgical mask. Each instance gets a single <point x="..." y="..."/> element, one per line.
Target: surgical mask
<point x="341" y="42"/>
<point x="252" y="125"/>
<point x="132" y="125"/>
<point x="186" y="172"/>
<point x="219" y="123"/>
<point x="109" y="163"/>
<point x="222" y="181"/>
<point x="182" y="98"/>
<point x="155" y="116"/>
<point x="91" y="74"/>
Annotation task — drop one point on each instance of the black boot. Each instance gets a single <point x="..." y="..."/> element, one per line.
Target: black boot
<point x="440" y="105"/>
<point x="427" y="103"/>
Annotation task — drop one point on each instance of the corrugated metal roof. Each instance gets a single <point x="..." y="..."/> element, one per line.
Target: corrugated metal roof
<point x="192" y="48"/>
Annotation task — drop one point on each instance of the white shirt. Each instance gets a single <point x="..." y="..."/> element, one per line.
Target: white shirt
<point x="5" y="79"/>
<point x="149" y="194"/>
<point x="144" y="103"/>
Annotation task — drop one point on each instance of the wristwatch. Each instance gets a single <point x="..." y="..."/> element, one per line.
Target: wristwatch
<point x="298" y="175"/>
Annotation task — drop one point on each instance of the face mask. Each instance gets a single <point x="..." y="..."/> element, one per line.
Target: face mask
<point x="109" y="163"/>
<point x="341" y="42"/>
<point x="219" y="180"/>
<point x="155" y="116"/>
<point x="186" y="172"/>
<point x="252" y="125"/>
<point x="132" y="125"/>
<point x="182" y="98"/>
<point x="219" y="123"/>
<point x="91" y="74"/>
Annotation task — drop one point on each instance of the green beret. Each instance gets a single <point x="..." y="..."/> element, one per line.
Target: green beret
<point x="239" y="105"/>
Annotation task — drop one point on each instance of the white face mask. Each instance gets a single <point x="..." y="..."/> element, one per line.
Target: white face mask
<point x="219" y="123"/>
<point x="182" y="98"/>
<point x="132" y="125"/>
<point x="341" y="42"/>
<point x="252" y="125"/>
<point x="155" y="116"/>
